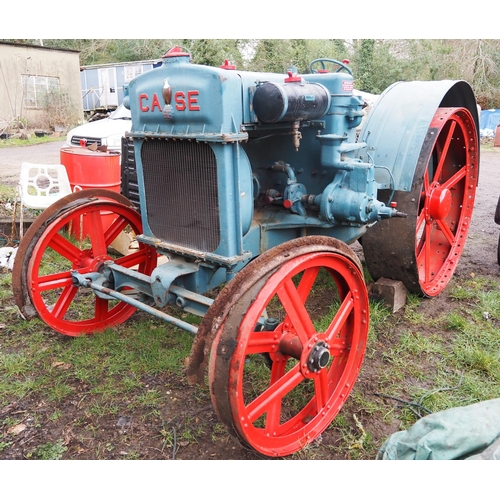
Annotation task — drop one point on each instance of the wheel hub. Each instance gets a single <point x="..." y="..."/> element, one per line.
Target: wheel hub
<point x="440" y="201"/>
<point x="318" y="358"/>
<point x="313" y="358"/>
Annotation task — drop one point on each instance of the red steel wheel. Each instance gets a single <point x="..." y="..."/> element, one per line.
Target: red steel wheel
<point x="447" y="199"/>
<point x="424" y="249"/>
<point x="277" y="383"/>
<point x="55" y="251"/>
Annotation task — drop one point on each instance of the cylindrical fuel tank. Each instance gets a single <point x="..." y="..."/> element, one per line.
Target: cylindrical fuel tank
<point x="287" y="102"/>
<point x="87" y="170"/>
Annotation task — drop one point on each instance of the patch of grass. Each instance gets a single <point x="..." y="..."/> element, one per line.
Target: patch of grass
<point x="14" y="142"/>
<point x="4" y="445"/>
<point x="412" y="343"/>
<point x="412" y="311"/>
<point x="48" y="451"/>
<point x="108" y="366"/>
<point x="456" y="321"/>
<point x="56" y="415"/>
<point x="357" y="442"/>
<point x="104" y="409"/>
<point x="439" y="371"/>
<point x="379" y="316"/>
<point x="379" y="326"/>
<point x="59" y="390"/>
<point x="10" y="421"/>
<point x="469" y="289"/>
<point x="14" y="364"/>
<point x="149" y="399"/>
<point x="478" y="360"/>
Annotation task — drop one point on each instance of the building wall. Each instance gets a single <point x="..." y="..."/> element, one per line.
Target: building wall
<point x="17" y="60"/>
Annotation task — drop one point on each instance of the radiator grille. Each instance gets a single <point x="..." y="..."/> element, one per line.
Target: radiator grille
<point x="180" y="180"/>
<point x="75" y="140"/>
<point x="130" y="186"/>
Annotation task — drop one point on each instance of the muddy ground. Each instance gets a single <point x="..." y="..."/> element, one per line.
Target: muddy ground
<point x="133" y="433"/>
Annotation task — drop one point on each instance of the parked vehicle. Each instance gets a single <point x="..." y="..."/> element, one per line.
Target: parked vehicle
<point x="106" y="132"/>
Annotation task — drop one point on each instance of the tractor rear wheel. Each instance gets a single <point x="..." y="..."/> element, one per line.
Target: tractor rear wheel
<point x="423" y="249"/>
<point x="284" y="360"/>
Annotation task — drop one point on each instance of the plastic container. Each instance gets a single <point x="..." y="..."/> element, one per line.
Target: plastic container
<point x="89" y="169"/>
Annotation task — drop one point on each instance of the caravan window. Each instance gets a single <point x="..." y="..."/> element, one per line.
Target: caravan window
<point x="130" y="72"/>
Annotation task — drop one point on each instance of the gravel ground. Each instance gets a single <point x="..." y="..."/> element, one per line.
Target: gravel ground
<point x="12" y="158"/>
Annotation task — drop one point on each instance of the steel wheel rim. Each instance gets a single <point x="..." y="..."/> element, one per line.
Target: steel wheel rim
<point x="327" y="389"/>
<point x="399" y="249"/>
<point x="53" y="294"/>
<point x="447" y="198"/>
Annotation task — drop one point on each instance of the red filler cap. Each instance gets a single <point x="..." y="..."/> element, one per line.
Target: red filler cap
<point x="176" y="52"/>
<point x="226" y="65"/>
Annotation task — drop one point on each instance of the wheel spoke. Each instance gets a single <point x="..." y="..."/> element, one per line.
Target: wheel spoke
<point x="274" y="393"/>
<point x="296" y="311"/>
<point x="420" y="232"/>
<point x="273" y="417"/>
<point x="450" y="237"/>
<point x="133" y="259"/>
<point x="64" y="247"/>
<point x="64" y="301"/>
<point x="427" y="184"/>
<point x="455" y="179"/>
<point x="53" y="281"/>
<point x="260" y="342"/>
<point x="427" y="250"/>
<point x="307" y="282"/>
<point x="99" y="246"/>
<point x="321" y="390"/>
<point x="424" y="257"/>
<point x="101" y="309"/>
<point x="338" y="323"/>
<point x="444" y="151"/>
<point x="114" y="229"/>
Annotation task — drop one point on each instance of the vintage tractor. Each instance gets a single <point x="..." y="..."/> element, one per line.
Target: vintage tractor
<point x="252" y="186"/>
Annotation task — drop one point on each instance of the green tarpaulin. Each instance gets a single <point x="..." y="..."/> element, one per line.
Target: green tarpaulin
<point x="467" y="432"/>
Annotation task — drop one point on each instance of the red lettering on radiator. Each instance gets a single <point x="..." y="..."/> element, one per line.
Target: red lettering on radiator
<point x="141" y="105"/>
<point x="179" y="99"/>
<point x="155" y="103"/>
<point x="191" y="103"/>
<point x="192" y="100"/>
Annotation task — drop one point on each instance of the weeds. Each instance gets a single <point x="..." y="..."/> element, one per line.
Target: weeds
<point x="48" y="451"/>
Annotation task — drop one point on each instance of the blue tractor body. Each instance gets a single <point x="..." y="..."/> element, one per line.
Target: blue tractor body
<point x="231" y="164"/>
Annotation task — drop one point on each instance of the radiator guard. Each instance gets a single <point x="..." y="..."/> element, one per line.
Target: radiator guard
<point x="181" y="186"/>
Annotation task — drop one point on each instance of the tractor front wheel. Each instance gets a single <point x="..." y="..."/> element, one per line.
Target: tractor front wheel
<point x="77" y="236"/>
<point x="291" y="334"/>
